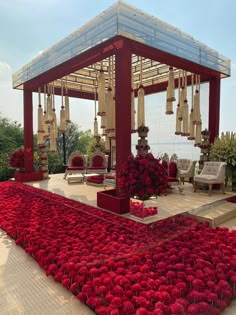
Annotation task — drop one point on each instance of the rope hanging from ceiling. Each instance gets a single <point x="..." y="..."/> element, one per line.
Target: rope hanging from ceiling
<point x="178" y="110"/>
<point x="196" y="108"/>
<point x="54" y="116"/>
<point x="141" y="105"/>
<point x="197" y="114"/>
<point x="62" y="111"/>
<point x="67" y="104"/>
<point x="108" y="103"/>
<point x="49" y="106"/>
<point x="170" y="92"/>
<point x="101" y="92"/>
<point x="45" y="125"/>
<point x="95" y="123"/>
<point x="53" y="125"/>
<point x="40" y="120"/>
<point x="132" y="105"/>
<point x="185" y="111"/>
<point x="191" y="125"/>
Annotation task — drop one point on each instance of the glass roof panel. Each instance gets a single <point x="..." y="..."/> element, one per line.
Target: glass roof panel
<point x="123" y="19"/>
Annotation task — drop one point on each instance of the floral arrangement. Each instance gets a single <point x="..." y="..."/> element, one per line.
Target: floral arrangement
<point x="139" y="210"/>
<point x="16" y="159"/>
<point x="224" y="149"/>
<point x="142" y="177"/>
<point x="120" y="267"/>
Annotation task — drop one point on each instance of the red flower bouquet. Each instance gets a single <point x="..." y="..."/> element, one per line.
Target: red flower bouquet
<point x="16" y="159"/>
<point x="143" y="177"/>
<point x="139" y="210"/>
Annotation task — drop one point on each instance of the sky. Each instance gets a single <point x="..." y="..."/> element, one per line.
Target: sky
<point x="28" y="27"/>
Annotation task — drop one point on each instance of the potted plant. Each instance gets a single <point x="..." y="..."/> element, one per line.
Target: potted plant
<point x="16" y="159"/>
<point x="224" y="149"/>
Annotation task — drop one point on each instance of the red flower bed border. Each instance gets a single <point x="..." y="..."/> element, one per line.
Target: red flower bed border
<point x="117" y="266"/>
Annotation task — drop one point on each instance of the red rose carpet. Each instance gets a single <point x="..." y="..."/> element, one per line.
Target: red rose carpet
<point x="120" y="267"/>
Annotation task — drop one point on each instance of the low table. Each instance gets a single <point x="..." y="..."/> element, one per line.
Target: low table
<point x="75" y="178"/>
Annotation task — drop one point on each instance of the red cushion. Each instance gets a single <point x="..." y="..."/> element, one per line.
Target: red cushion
<point x="172" y="169"/>
<point x="95" y="181"/>
<point x="111" y="176"/>
<point x="77" y="161"/>
<point x="98" y="179"/>
<point x="75" y="168"/>
<point x="96" y="168"/>
<point x="97" y="161"/>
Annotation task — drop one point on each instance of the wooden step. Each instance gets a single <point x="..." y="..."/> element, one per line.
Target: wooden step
<point x="215" y="213"/>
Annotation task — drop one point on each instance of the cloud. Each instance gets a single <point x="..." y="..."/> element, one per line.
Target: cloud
<point x="5" y="73"/>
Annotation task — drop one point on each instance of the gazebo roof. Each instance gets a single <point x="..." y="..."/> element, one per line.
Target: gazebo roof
<point x="79" y="57"/>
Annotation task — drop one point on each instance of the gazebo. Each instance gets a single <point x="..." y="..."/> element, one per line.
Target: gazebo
<point x="140" y="49"/>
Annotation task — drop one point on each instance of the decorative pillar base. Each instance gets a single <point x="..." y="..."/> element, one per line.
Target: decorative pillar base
<point x="109" y="200"/>
<point x="142" y="147"/>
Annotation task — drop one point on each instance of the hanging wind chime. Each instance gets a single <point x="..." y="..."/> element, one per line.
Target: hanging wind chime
<point x="170" y="93"/>
<point x="49" y="106"/>
<point x="102" y="95"/>
<point x="197" y="114"/>
<point x="62" y="112"/>
<point x="178" y="130"/>
<point x="141" y="105"/>
<point x="54" y="112"/>
<point x="185" y="111"/>
<point x="191" y="125"/>
<point x="95" y="124"/>
<point x="132" y="104"/>
<point x="110" y="102"/>
<point x="101" y="92"/>
<point x="45" y="125"/>
<point x="40" y="120"/>
<point x="67" y="104"/>
<point x="53" y="125"/>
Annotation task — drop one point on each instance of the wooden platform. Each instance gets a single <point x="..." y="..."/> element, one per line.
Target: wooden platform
<point x="170" y="205"/>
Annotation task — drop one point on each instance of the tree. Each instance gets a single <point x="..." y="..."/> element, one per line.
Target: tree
<point x="74" y="140"/>
<point x="92" y="147"/>
<point x="11" y="135"/>
<point x="11" y="138"/>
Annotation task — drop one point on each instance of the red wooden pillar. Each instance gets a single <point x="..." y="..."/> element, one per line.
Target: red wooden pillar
<point x="214" y="108"/>
<point x="123" y="105"/>
<point x="28" y="132"/>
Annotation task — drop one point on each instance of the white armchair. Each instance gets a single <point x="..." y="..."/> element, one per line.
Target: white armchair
<point x="212" y="173"/>
<point x="186" y="169"/>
